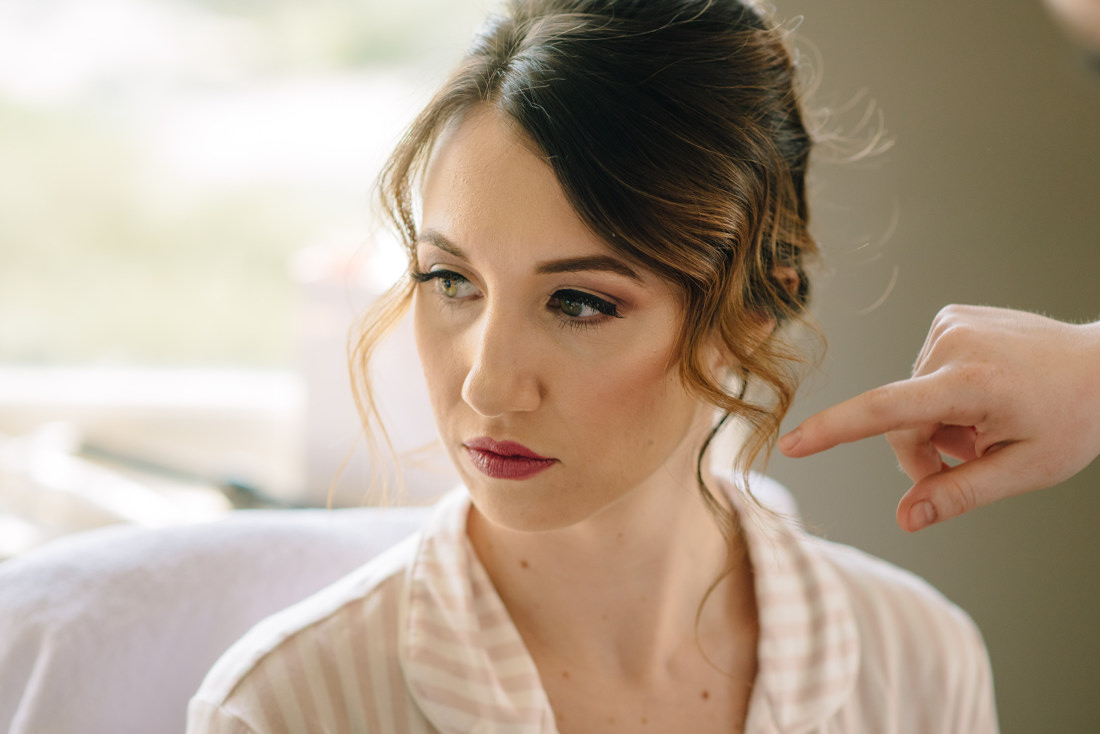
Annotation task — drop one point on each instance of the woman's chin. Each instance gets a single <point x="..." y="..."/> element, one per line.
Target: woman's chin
<point x="531" y="505"/>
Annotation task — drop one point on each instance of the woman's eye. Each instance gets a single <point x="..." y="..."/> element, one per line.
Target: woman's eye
<point x="575" y="308"/>
<point x="448" y="284"/>
<point x="580" y="305"/>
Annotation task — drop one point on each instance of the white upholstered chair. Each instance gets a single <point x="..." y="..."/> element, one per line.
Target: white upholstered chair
<point x="112" y="630"/>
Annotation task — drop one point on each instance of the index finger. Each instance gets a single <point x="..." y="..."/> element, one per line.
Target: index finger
<point x="903" y="404"/>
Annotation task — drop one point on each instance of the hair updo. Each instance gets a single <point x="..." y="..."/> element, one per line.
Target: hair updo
<point x="675" y="131"/>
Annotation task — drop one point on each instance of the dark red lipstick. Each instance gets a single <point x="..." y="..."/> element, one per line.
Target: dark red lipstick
<point x="505" y="459"/>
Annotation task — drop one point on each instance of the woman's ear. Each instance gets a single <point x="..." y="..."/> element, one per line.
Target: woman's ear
<point x="761" y="327"/>
<point x="766" y="323"/>
<point x="787" y="278"/>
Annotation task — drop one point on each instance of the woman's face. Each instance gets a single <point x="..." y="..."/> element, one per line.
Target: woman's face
<point x="549" y="360"/>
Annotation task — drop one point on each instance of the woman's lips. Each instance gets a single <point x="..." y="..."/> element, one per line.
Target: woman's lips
<point x="505" y="459"/>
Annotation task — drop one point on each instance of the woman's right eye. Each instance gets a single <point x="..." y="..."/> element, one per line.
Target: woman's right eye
<point x="447" y="283"/>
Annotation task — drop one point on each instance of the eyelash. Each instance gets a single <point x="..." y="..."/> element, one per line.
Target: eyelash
<point x="606" y="309"/>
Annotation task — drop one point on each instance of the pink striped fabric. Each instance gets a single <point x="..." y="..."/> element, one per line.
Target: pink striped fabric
<point x="418" y="641"/>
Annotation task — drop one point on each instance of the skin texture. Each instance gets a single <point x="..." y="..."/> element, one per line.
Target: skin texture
<point x="603" y="559"/>
<point x="1014" y="396"/>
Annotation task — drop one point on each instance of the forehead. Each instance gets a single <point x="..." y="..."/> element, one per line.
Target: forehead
<point x="485" y="183"/>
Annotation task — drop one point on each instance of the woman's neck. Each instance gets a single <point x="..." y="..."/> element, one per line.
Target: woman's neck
<point x="622" y="590"/>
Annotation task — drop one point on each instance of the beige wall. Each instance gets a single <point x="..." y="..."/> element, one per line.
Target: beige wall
<point x="994" y="181"/>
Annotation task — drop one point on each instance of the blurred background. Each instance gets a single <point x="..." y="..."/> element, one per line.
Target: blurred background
<point x="989" y="195"/>
<point x="187" y="231"/>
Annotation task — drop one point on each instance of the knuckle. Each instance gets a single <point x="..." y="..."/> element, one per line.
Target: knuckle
<point x="947" y="314"/>
<point x="960" y="495"/>
<point x="956" y="334"/>
<point x="963" y="311"/>
<point x="880" y="402"/>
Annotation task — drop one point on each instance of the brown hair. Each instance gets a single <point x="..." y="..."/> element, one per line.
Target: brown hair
<point x="675" y="131"/>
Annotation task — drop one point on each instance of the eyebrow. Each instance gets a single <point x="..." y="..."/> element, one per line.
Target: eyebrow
<point x="604" y="263"/>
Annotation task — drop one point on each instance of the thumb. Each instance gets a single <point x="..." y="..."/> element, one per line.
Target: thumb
<point x="955" y="490"/>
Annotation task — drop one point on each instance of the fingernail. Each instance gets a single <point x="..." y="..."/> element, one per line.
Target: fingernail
<point x="791" y="440"/>
<point x="921" y="515"/>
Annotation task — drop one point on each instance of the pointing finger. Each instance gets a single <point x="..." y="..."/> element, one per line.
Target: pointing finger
<point x="899" y="405"/>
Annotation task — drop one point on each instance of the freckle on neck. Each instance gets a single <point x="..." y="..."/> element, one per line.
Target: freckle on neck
<point x="524" y="564"/>
<point x="706" y="695"/>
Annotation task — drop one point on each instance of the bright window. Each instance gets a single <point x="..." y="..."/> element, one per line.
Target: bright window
<point x="162" y="161"/>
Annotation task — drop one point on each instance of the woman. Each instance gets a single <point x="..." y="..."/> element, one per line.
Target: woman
<point x="605" y="217"/>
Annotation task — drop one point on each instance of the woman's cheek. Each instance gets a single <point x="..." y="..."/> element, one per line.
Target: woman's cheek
<point x="631" y="392"/>
<point x="433" y="343"/>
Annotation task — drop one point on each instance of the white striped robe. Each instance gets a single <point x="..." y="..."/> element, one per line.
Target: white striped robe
<point x="417" y="641"/>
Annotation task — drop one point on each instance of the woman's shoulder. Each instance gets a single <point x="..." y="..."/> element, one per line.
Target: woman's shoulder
<point x="878" y="591"/>
<point x="851" y="634"/>
<point x="916" y="645"/>
<point x="905" y="610"/>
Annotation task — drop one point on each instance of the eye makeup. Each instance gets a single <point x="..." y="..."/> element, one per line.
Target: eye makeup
<point x="570" y="306"/>
<point x="449" y="283"/>
<point x="573" y="303"/>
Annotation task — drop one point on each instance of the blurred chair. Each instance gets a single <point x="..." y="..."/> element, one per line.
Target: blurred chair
<point x="112" y="630"/>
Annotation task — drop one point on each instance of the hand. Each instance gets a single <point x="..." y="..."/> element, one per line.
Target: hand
<point x="1014" y="396"/>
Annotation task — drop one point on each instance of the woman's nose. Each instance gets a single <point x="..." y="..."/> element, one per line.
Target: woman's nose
<point x="501" y="377"/>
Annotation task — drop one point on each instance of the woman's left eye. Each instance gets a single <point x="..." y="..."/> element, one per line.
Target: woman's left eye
<point x="581" y="306"/>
